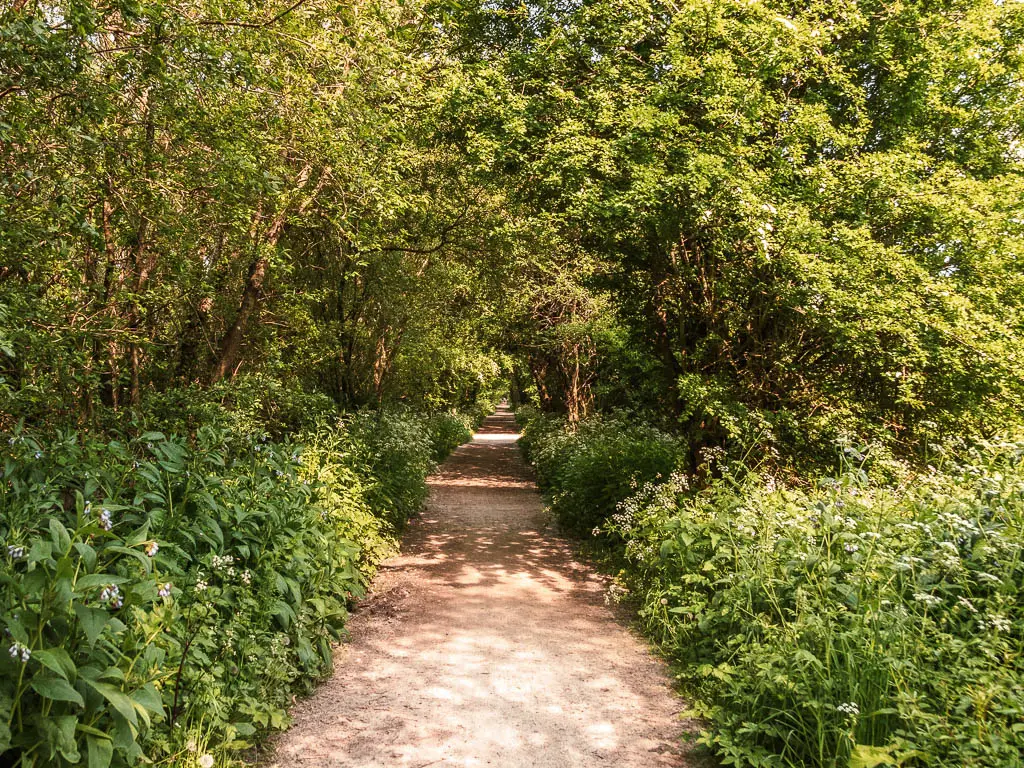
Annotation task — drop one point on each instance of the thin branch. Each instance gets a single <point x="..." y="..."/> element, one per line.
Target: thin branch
<point x="251" y="24"/>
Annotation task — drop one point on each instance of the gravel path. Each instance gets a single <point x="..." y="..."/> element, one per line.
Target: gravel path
<point x="486" y="644"/>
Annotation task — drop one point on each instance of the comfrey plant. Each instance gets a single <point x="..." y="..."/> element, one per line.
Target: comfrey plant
<point x="82" y="608"/>
<point x="157" y="588"/>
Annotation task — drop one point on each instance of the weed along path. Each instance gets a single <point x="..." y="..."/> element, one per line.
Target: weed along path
<point x="486" y="644"/>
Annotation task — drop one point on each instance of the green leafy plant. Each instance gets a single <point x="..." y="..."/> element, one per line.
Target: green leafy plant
<point x="850" y="623"/>
<point x="156" y="588"/>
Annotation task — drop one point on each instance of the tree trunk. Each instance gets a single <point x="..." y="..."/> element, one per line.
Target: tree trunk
<point x="231" y="343"/>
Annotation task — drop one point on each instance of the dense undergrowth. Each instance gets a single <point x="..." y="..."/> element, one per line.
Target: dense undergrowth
<point x="852" y="621"/>
<point x="165" y="593"/>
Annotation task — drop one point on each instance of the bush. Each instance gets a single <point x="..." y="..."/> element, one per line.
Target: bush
<point x="590" y="467"/>
<point x="252" y="404"/>
<point x="853" y="623"/>
<point x="846" y="624"/>
<point x="395" y="448"/>
<point x="447" y="432"/>
<point x="163" y="596"/>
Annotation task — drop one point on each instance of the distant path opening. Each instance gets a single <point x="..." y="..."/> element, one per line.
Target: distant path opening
<point x="486" y="643"/>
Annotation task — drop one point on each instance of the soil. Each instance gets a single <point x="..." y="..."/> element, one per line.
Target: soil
<point x="486" y="643"/>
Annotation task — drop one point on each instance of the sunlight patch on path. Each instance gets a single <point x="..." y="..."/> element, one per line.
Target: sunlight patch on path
<point x="486" y="644"/>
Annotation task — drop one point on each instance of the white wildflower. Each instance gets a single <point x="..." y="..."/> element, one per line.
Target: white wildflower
<point x="849" y="708"/>
<point x="963" y="602"/>
<point x="112" y="594"/>
<point x="19" y="651"/>
<point x="996" y="622"/>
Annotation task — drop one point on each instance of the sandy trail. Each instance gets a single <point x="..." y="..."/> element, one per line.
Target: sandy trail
<point x="486" y="644"/>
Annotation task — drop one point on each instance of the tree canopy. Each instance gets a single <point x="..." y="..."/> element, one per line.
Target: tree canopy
<point x="763" y="222"/>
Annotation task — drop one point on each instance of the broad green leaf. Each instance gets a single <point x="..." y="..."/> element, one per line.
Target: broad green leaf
<point x="101" y="751"/>
<point x="56" y="660"/>
<point x="59" y="535"/>
<point x="118" y="700"/>
<point x="56" y="688"/>
<point x="149" y="698"/>
<point x="87" y="553"/>
<point x="139" y="535"/>
<point x="94" y="580"/>
<point x="147" y="562"/>
<point x="92" y="621"/>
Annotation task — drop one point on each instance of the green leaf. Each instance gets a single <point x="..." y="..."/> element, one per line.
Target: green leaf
<point x="87" y="553"/>
<point x="57" y="660"/>
<point x="101" y="751"/>
<point x="56" y="688"/>
<point x="68" y="746"/>
<point x="93" y="580"/>
<point x="147" y="563"/>
<point x="118" y="700"/>
<point x="149" y="698"/>
<point x="283" y="613"/>
<point x="41" y="550"/>
<point x="244" y="729"/>
<point x="111" y="673"/>
<point x="59" y="535"/>
<point x="124" y="737"/>
<point x="138" y="536"/>
<point x="92" y="621"/>
<point x="865" y="756"/>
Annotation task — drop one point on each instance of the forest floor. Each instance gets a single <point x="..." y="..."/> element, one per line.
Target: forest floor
<point x="487" y="643"/>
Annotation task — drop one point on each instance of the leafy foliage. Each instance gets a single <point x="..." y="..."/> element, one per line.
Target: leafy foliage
<point x="591" y="466"/>
<point x="160" y="593"/>
<point x="799" y="220"/>
<point x="706" y="233"/>
<point x="850" y="623"/>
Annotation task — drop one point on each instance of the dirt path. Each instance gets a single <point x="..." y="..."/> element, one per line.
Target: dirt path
<point x="485" y="643"/>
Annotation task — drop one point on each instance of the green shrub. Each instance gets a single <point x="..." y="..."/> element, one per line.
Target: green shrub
<point x="252" y="404"/>
<point x="159" y="593"/>
<point x="860" y="622"/>
<point x="447" y="432"/>
<point x="590" y="467"/>
<point x="395" y="449"/>
<point x="849" y="624"/>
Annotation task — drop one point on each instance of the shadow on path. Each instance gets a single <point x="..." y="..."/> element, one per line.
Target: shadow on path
<point x="486" y="643"/>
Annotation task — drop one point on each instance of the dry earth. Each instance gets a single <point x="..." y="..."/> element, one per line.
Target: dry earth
<point x="486" y="644"/>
